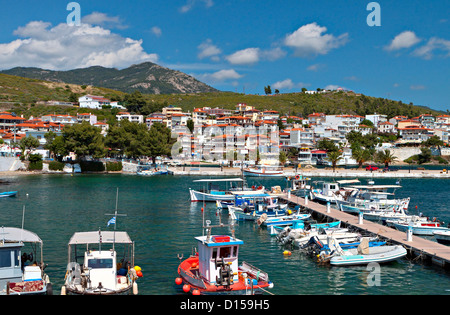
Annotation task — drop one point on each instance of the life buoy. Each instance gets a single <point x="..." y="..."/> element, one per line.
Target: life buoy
<point x="253" y="187"/>
<point x="297" y="177"/>
<point x="259" y="187"/>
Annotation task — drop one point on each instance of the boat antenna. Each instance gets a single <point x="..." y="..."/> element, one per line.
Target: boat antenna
<point x="23" y="222"/>
<point x="115" y="214"/>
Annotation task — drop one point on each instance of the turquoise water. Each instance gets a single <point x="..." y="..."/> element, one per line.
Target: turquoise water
<point x="163" y="223"/>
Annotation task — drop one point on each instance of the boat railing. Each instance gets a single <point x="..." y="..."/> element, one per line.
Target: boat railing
<point x="254" y="272"/>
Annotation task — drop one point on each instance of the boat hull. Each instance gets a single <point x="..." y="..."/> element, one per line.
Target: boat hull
<point x="198" y="196"/>
<point x="8" y="194"/>
<point x="194" y="281"/>
<point x="382" y="254"/>
<point x="251" y="173"/>
<point x="420" y="230"/>
<point x="442" y="237"/>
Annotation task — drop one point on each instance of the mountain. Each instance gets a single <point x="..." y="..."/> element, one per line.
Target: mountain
<point x="148" y="78"/>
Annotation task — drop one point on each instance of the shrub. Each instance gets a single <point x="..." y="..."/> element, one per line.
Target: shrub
<point x="56" y="166"/>
<point x="92" y="166"/>
<point x="35" y="166"/>
<point x="113" y="166"/>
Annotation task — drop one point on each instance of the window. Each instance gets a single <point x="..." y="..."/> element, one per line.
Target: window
<point x="5" y="258"/>
<point x="100" y="263"/>
<point x="225" y="252"/>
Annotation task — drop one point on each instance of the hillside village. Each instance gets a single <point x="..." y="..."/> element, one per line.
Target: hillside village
<point x="210" y="134"/>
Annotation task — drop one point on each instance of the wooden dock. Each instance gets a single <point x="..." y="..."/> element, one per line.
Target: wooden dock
<point x="418" y="248"/>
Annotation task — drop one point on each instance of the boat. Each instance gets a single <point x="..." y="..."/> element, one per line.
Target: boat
<point x="367" y="198"/>
<point x="212" y="192"/>
<point x="22" y="273"/>
<point x="331" y="192"/>
<point x="8" y="194"/>
<point x="343" y="235"/>
<point x="442" y="237"/>
<point x="100" y="273"/>
<point x="285" y="220"/>
<point x="420" y="226"/>
<point x="264" y="171"/>
<point x="215" y="268"/>
<point x="152" y="172"/>
<point x="276" y="230"/>
<point x="363" y="254"/>
<point x="252" y="207"/>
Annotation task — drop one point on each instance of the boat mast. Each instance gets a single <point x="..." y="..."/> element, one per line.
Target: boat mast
<point x="115" y="214"/>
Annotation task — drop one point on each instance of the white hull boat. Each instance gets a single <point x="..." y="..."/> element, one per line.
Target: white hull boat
<point x="364" y="255"/>
<point x="442" y="237"/>
<point x="421" y="227"/>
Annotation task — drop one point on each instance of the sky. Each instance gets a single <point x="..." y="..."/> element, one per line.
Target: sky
<point x="244" y="45"/>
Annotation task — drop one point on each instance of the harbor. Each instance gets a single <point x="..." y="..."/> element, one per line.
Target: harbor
<point x="418" y="248"/>
<point x="163" y="230"/>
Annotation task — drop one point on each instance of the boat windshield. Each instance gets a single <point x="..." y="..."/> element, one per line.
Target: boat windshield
<point x="100" y="263"/>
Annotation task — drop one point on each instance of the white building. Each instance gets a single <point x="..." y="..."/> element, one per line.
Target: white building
<point x="93" y="101"/>
<point x="132" y="118"/>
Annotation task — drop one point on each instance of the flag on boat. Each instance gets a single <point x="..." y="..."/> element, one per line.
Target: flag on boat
<point x="112" y="221"/>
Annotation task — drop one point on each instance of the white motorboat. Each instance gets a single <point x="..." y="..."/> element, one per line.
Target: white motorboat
<point x="420" y="226"/>
<point x="100" y="273"/>
<point x="442" y="237"/>
<point x="331" y="192"/>
<point x="212" y="192"/>
<point x="264" y="171"/>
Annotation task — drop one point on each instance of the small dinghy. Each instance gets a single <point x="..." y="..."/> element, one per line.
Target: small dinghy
<point x="364" y="254"/>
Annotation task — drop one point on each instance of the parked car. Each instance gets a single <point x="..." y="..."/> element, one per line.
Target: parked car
<point x="371" y="168"/>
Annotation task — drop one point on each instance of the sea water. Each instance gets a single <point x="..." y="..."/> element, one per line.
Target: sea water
<point x="163" y="222"/>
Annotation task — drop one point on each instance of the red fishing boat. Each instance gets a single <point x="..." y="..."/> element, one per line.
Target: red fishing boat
<point x="214" y="269"/>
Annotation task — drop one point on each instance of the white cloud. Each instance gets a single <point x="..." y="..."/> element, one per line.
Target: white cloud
<point x="208" y="50"/>
<point x="104" y="20"/>
<point x="332" y="87"/>
<point x="273" y="54"/>
<point x="315" y="67"/>
<point x="191" y="3"/>
<point x="64" y="47"/>
<point x="156" y="31"/>
<point x="405" y="39"/>
<point x="285" y="84"/>
<point x="245" y="56"/>
<point x="219" y="76"/>
<point x="309" y="40"/>
<point x="250" y="56"/>
<point x="417" y="87"/>
<point x="434" y="44"/>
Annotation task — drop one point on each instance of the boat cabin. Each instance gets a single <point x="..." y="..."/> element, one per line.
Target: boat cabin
<point x="102" y="268"/>
<point x="212" y="250"/>
<point x="20" y="271"/>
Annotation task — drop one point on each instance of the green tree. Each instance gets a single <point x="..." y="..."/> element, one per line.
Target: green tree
<point x="327" y="144"/>
<point x="385" y="157"/>
<point x="361" y="155"/>
<point x="425" y="156"/>
<point x="334" y="157"/>
<point x="84" y="140"/>
<point x="190" y="125"/>
<point x="433" y="141"/>
<point x="134" y="102"/>
<point x="159" y="141"/>
<point x="27" y="144"/>
<point x="267" y="90"/>
<point x="282" y="157"/>
<point x="55" y="144"/>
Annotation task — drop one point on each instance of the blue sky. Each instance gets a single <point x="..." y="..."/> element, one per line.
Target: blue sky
<point x="244" y="45"/>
